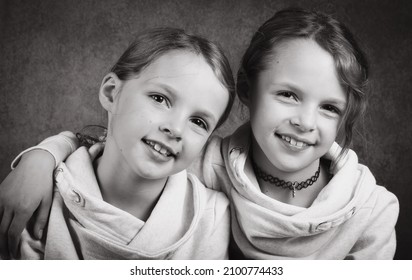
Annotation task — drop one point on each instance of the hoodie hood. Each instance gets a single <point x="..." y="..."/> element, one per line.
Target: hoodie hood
<point x="106" y="231"/>
<point x="273" y="227"/>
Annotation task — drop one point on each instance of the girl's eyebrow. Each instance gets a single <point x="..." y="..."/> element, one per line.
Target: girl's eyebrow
<point x="288" y="85"/>
<point x="169" y="89"/>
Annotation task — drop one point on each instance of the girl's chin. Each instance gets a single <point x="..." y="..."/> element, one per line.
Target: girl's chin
<point x="288" y="167"/>
<point x="291" y="163"/>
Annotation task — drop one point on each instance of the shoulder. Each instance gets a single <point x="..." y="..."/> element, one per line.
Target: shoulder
<point x="209" y="197"/>
<point x="218" y="147"/>
<point x="210" y="165"/>
<point x="384" y="200"/>
<point x="378" y="192"/>
<point x="212" y="229"/>
<point x="213" y="153"/>
<point x="377" y="198"/>
<point x="210" y="200"/>
<point x="376" y="218"/>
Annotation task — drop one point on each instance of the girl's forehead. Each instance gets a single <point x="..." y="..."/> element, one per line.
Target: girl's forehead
<point x="301" y="48"/>
<point x="299" y="56"/>
<point x="173" y="62"/>
<point x="304" y="65"/>
<point x="182" y="66"/>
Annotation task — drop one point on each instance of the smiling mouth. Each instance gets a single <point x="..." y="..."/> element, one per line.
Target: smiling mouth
<point x="294" y="142"/>
<point x="158" y="147"/>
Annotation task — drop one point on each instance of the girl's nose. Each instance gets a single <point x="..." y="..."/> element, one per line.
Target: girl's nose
<point x="305" y="120"/>
<point x="172" y="129"/>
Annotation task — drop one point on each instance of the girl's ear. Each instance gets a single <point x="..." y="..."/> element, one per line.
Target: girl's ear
<point x="109" y="89"/>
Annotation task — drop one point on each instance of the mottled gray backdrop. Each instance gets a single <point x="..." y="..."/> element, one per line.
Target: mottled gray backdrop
<point x="53" y="55"/>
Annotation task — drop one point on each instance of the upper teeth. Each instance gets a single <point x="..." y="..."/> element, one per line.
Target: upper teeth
<point x="294" y="142"/>
<point x="159" y="148"/>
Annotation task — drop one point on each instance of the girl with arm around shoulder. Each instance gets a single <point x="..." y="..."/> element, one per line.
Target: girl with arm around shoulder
<point x="164" y="97"/>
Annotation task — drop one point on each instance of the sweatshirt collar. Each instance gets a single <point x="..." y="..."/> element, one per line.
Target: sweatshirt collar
<point x="334" y="205"/>
<point x="173" y="219"/>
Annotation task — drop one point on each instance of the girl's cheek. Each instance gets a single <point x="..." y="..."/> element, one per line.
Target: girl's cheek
<point x="330" y="129"/>
<point x="197" y="143"/>
<point x="333" y="125"/>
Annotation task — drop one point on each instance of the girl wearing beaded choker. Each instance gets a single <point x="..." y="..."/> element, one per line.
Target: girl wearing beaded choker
<point x="294" y="192"/>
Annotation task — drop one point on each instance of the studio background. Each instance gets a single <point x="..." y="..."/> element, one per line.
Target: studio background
<point x="53" y="55"/>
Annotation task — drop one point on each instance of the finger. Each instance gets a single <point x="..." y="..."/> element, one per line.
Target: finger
<point x="42" y="216"/>
<point x="15" y="230"/>
<point x="95" y="150"/>
<point x="6" y="219"/>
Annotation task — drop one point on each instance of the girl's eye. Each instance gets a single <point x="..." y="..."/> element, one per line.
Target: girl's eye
<point x="288" y="95"/>
<point x="159" y="99"/>
<point x="332" y="109"/>
<point x="201" y="123"/>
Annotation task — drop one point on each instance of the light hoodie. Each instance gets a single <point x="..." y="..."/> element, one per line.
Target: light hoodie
<point x="188" y="222"/>
<point x="351" y="218"/>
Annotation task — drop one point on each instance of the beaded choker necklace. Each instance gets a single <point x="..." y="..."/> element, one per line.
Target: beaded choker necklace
<point x="293" y="186"/>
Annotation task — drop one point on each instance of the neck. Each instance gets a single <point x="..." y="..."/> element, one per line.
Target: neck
<point x="261" y="160"/>
<point x="123" y="188"/>
<point x="303" y="197"/>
